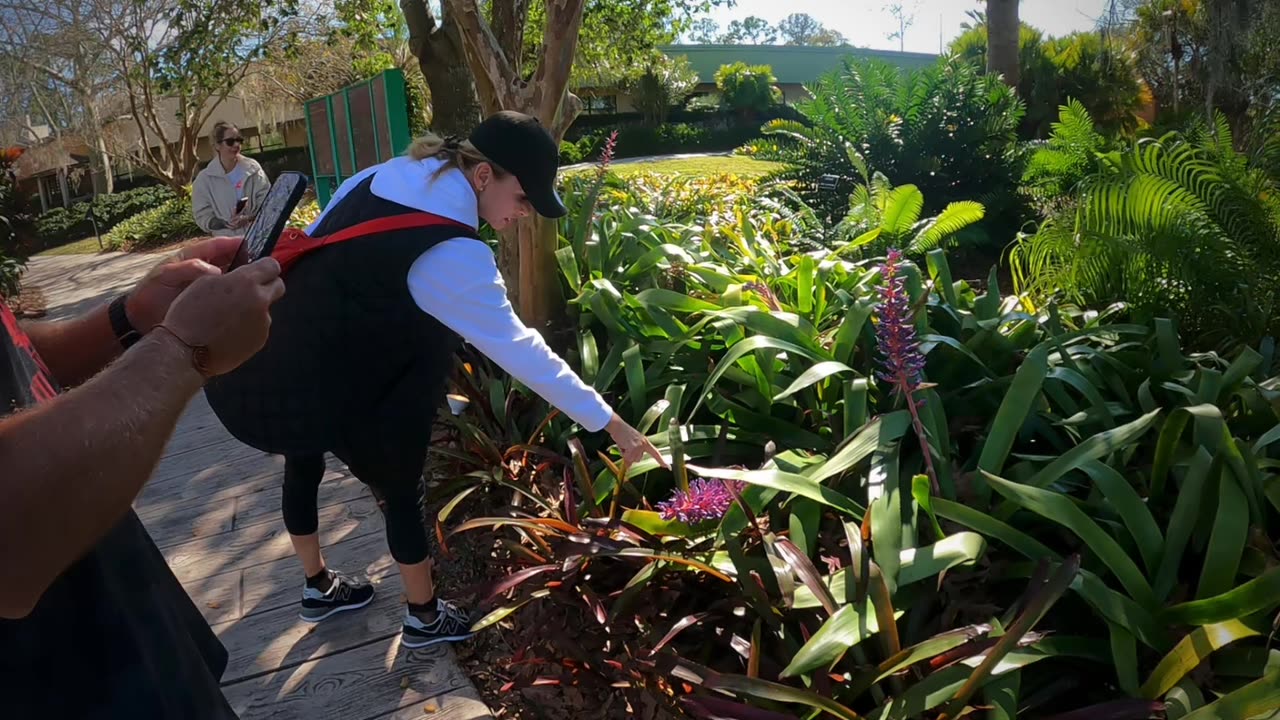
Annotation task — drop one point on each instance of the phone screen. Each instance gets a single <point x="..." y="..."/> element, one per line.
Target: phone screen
<point x="260" y="238"/>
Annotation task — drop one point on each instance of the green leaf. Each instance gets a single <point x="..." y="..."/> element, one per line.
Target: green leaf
<point x="497" y="615"/>
<point x="1124" y="653"/>
<point x="1258" y="595"/>
<point x="1227" y="539"/>
<point x="940" y="272"/>
<point x="848" y="627"/>
<point x="901" y="211"/>
<point x="1192" y="650"/>
<point x="886" y="513"/>
<point x="954" y="217"/>
<point x="1182" y="522"/>
<point x="671" y="300"/>
<point x="920" y="491"/>
<point x="652" y="523"/>
<point x="1093" y="448"/>
<point x="915" y="564"/>
<point x="881" y="431"/>
<point x="637" y="389"/>
<point x="741" y="349"/>
<point x="1260" y="696"/>
<point x="1013" y="412"/>
<point x="814" y="374"/>
<point x="1060" y="509"/>
<point x="804" y="519"/>
<point x="569" y="268"/>
<point x="805" y="273"/>
<point x="1132" y="510"/>
<point x="846" y="339"/>
<point x="1001" y="694"/>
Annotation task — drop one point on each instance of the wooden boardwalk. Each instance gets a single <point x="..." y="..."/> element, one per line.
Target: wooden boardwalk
<point x="213" y="508"/>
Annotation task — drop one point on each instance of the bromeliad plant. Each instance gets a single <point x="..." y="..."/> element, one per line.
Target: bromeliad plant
<point x="1074" y="456"/>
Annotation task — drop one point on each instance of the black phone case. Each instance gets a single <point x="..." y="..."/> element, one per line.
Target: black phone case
<point x="274" y="216"/>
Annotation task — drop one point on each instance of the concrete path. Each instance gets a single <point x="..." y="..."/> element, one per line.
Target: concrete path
<point x="213" y="508"/>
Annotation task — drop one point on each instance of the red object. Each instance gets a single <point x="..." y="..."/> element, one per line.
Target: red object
<point x="294" y="243"/>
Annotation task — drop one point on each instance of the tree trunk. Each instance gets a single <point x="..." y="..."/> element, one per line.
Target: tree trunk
<point x="1003" y="30"/>
<point x="455" y="109"/>
<point x="101" y="159"/>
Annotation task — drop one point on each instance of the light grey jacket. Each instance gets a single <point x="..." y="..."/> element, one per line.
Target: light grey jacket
<point x="213" y="199"/>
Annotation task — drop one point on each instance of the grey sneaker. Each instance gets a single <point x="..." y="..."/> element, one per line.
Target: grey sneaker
<point x="452" y="624"/>
<point x="343" y="594"/>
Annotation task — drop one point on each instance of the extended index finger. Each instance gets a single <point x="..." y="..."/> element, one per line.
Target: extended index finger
<point x="263" y="271"/>
<point x="215" y="251"/>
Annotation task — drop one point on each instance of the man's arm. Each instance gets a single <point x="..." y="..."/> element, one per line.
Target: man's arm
<point x="73" y="466"/>
<point x="70" y="468"/>
<point x="75" y="349"/>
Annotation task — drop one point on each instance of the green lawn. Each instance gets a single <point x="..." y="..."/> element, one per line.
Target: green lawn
<point x="713" y="165"/>
<point x="88" y="246"/>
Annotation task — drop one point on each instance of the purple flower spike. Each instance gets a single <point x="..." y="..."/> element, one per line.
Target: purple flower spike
<point x="903" y="364"/>
<point x="896" y="333"/>
<point x="705" y="500"/>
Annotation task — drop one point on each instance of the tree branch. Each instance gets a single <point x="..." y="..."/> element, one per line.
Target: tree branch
<point x="551" y="80"/>
<point x="489" y="64"/>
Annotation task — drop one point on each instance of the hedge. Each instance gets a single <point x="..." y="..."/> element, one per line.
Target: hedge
<point x="63" y="225"/>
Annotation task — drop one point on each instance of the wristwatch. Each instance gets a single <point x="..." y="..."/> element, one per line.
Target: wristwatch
<point x="125" y="332"/>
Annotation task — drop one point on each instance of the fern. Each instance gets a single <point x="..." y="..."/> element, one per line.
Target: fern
<point x="1183" y="225"/>
<point x="947" y="129"/>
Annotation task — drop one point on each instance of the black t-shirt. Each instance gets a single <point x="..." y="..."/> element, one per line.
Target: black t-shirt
<point x="115" y="636"/>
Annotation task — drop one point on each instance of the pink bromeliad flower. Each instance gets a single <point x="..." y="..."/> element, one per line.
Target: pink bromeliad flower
<point x="705" y="500"/>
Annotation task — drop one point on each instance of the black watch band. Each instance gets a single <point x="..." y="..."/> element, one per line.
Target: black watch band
<point x="120" y="325"/>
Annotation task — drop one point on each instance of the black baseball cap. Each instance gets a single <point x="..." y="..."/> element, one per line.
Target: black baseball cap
<point x="519" y="144"/>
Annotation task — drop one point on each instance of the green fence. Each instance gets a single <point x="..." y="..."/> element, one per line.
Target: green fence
<point x="355" y="128"/>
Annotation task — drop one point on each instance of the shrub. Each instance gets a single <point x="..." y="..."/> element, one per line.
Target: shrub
<point x="171" y="222"/>
<point x="1082" y="66"/>
<point x="11" y="270"/>
<point x="1183" y="226"/>
<point x="947" y="129"/>
<point x="747" y="89"/>
<point x="62" y="225"/>
<point x="668" y="139"/>
<point x="664" y="83"/>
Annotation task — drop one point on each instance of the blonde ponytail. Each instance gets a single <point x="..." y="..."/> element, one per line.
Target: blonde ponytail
<point x="456" y="154"/>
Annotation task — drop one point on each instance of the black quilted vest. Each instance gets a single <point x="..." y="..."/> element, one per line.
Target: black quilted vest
<point x="352" y="361"/>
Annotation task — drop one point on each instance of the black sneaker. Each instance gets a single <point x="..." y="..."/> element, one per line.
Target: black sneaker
<point x="452" y="624"/>
<point x="343" y="594"/>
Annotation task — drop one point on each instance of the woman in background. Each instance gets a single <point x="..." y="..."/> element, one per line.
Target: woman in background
<point x="229" y="178"/>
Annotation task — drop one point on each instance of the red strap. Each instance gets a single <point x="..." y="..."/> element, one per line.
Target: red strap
<point x="294" y="243"/>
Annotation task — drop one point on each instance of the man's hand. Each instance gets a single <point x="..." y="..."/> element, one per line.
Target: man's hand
<point x="632" y="443"/>
<point x="149" y="301"/>
<point x="240" y="221"/>
<point x="229" y="314"/>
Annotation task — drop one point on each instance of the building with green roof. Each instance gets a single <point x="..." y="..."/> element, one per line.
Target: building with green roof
<point x="794" y="65"/>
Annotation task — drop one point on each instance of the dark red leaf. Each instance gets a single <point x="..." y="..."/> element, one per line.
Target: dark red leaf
<point x="808" y="574"/>
<point x="676" y="629"/>
<point x="514" y="579"/>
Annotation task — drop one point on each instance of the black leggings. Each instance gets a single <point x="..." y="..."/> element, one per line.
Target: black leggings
<point x="397" y="485"/>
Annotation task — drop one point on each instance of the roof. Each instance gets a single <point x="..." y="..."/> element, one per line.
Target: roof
<point x="792" y="64"/>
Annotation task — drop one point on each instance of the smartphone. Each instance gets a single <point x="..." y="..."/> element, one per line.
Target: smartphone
<point x="260" y="239"/>
<point x="240" y="204"/>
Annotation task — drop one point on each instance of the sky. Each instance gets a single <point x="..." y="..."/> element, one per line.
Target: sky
<point x="867" y="23"/>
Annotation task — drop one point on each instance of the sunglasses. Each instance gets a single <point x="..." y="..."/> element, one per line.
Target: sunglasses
<point x="233" y="141"/>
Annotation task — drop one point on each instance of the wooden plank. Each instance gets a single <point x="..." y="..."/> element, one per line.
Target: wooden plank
<point x="359" y="683"/>
<point x="279" y="639"/>
<point x="264" y="542"/>
<point x="212" y="477"/>
<point x="180" y="466"/>
<point x="461" y="704"/>
<point x="177" y="522"/>
<point x="247" y="591"/>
